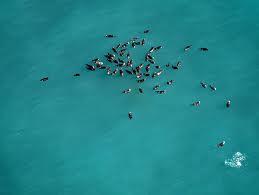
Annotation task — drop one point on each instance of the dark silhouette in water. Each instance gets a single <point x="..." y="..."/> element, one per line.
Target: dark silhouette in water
<point x="90" y="67"/>
<point x="213" y="88"/>
<point x="228" y="104"/>
<point x="221" y="144"/>
<point x="44" y="79"/>
<point x="204" y="85"/>
<point x="156" y="87"/>
<point x="161" y="92"/>
<point x="187" y="47"/>
<point x="130" y="115"/>
<point x="76" y="75"/>
<point x="197" y="103"/>
<point x="146" y="31"/>
<point x="177" y="66"/>
<point x="127" y="91"/>
<point x="110" y="36"/>
<point x="169" y="82"/>
<point x="140" y="90"/>
<point x="204" y="49"/>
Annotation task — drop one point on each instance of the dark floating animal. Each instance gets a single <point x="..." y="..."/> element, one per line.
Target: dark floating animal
<point x="177" y="66"/>
<point x="76" y="75"/>
<point x="121" y="73"/>
<point x="169" y="82"/>
<point x="221" y="144"/>
<point x="130" y="115"/>
<point x="204" y="85"/>
<point x="161" y="92"/>
<point x="139" y="75"/>
<point x="187" y="47"/>
<point x="156" y="87"/>
<point x="213" y="88"/>
<point x="146" y="31"/>
<point x="151" y="49"/>
<point x="143" y="42"/>
<point x="95" y="60"/>
<point x="155" y="74"/>
<point x="129" y="72"/>
<point x="140" y="90"/>
<point x="167" y="65"/>
<point x="110" y="36"/>
<point x="158" y="47"/>
<point x="108" y="72"/>
<point x="90" y="67"/>
<point x="157" y="67"/>
<point x="197" y="103"/>
<point x="228" y="104"/>
<point x="114" y="50"/>
<point x="148" y="68"/>
<point x="44" y="79"/>
<point x="141" y="80"/>
<point x="126" y="91"/>
<point x="128" y="55"/>
<point x="115" y="71"/>
<point x="204" y="49"/>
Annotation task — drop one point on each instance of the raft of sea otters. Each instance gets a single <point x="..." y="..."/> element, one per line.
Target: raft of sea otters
<point x="120" y="62"/>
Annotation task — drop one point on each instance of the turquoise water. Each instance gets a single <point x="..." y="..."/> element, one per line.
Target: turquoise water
<point x="72" y="135"/>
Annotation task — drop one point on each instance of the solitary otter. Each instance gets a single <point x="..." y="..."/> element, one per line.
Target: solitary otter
<point x="176" y="67"/>
<point x="143" y="42"/>
<point x="140" y="90"/>
<point x="204" y="49"/>
<point x="110" y="36"/>
<point x="228" y="103"/>
<point x="204" y="85"/>
<point x="197" y="103"/>
<point x="213" y="88"/>
<point x="130" y="115"/>
<point x="44" y="79"/>
<point x="76" y="75"/>
<point x="221" y="144"/>
<point x="126" y="91"/>
<point x="169" y="82"/>
<point x="146" y="31"/>
<point x="187" y="47"/>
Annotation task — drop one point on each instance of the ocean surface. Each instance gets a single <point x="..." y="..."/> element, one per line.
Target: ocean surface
<point x="71" y="135"/>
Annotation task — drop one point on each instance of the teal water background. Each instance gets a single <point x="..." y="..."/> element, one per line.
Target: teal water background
<point x="72" y="135"/>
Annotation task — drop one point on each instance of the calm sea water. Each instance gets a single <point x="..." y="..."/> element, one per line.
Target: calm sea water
<point x="72" y="135"/>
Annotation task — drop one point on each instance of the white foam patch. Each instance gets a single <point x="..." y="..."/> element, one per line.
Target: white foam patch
<point x="236" y="160"/>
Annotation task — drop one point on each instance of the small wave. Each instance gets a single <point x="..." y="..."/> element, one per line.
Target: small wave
<point x="236" y="160"/>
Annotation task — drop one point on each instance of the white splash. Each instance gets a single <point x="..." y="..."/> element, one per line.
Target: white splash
<point x="236" y="160"/>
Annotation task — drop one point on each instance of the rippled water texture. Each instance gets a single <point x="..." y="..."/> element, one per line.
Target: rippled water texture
<point x="72" y="135"/>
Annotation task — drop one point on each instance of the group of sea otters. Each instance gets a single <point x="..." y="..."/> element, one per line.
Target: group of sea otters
<point x="119" y="57"/>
